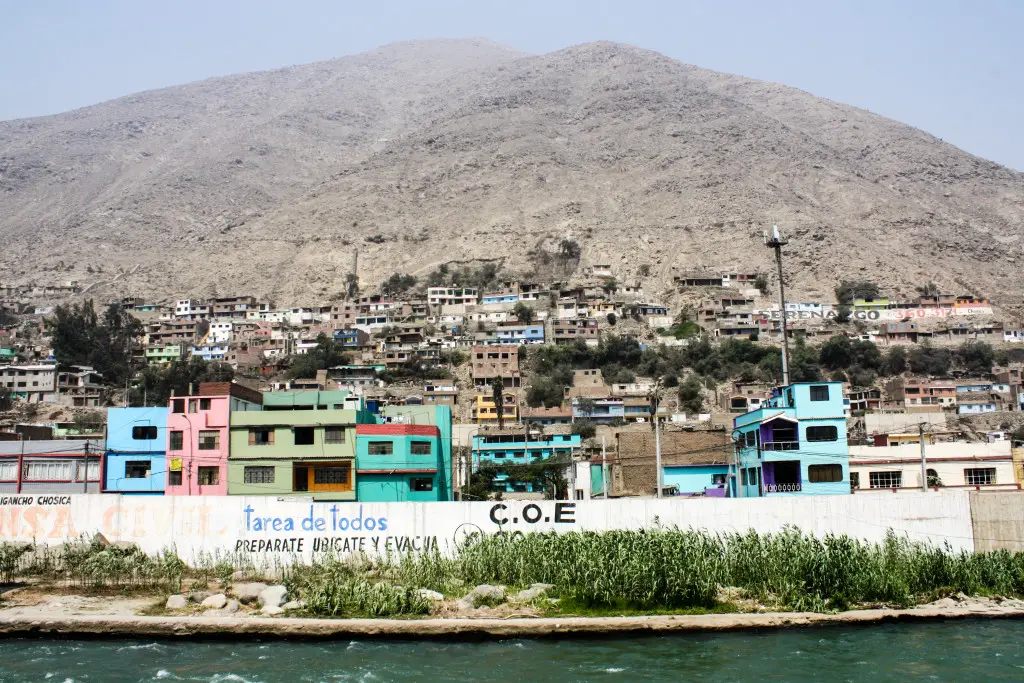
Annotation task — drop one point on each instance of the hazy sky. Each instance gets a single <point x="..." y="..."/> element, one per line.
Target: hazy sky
<point x="951" y="68"/>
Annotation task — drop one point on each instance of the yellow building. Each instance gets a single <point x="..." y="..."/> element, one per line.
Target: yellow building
<point x="485" y="412"/>
<point x="1018" y="465"/>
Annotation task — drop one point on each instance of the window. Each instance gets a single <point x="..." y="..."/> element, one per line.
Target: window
<point x="303" y="436"/>
<point x="174" y="478"/>
<point x="824" y="433"/>
<point x="204" y="404"/>
<point x="334" y="435"/>
<point x="92" y="469"/>
<point x="209" y="440"/>
<point x="258" y="475"/>
<point x="8" y="471"/>
<point x="137" y="469"/>
<point x="380" y="448"/>
<point x="819" y="392"/>
<point x="885" y="480"/>
<point x="980" y="476"/>
<point x="209" y="476"/>
<point x="177" y="441"/>
<point x="193" y="406"/>
<point x="718" y="479"/>
<point x="854" y="481"/>
<point x="420" y="448"/>
<point x="47" y="471"/>
<point x="261" y="437"/>
<point x="820" y="474"/>
<point x="331" y="475"/>
<point x="144" y="433"/>
<point x="421" y="484"/>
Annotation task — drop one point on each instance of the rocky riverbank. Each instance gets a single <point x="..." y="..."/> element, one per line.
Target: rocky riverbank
<point x="26" y="612"/>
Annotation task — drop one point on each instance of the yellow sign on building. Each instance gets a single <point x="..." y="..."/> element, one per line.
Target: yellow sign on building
<point x="175" y="464"/>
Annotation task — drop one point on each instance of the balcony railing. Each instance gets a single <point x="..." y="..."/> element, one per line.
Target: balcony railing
<point x="783" y="488"/>
<point x="780" y="446"/>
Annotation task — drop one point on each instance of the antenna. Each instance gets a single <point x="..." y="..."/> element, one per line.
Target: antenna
<point x="776" y="242"/>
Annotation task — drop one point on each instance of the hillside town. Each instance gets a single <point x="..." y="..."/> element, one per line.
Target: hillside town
<point x="474" y="385"/>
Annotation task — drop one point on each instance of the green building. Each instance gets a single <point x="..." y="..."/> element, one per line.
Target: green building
<point x="297" y="445"/>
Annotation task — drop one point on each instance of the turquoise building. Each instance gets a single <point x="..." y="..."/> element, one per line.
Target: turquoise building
<point x="794" y="444"/>
<point x="407" y="457"/>
<point x="136" y="457"/>
<point x="709" y="480"/>
<point x="495" y="450"/>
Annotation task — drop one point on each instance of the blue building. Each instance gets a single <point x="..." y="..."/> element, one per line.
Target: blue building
<point x="601" y="410"/>
<point x="499" y="449"/>
<point x="136" y="458"/>
<point x="520" y="334"/>
<point x="687" y="480"/>
<point x="795" y="443"/>
<point x="499" y="298"/>
<point x="351" y="338"/>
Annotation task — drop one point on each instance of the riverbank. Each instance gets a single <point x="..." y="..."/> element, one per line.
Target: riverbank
<point x="21" y="623"/>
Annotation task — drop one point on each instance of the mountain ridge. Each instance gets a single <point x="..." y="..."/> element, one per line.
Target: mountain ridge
<point x="457" y="150"/>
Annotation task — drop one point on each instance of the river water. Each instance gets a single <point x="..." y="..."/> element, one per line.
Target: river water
<point x="946" y="651"/>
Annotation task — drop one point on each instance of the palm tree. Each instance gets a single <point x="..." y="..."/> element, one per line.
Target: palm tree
<point x="498" y="395"/>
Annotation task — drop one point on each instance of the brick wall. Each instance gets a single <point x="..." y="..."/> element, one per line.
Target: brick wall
<point x="633" y="465"/>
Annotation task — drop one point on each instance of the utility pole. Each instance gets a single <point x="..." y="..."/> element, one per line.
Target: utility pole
<point x="85" y="470"/>
<point x="604" y="470"/>
<point x="924" y="460"/>
<point x="776" y="242"/>
<point x="657" y="449"/>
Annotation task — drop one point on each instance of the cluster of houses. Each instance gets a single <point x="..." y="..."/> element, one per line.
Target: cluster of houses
<point x="228" y="439"/>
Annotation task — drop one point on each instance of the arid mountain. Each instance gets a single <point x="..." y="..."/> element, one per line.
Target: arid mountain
<point x="449" y="151"/>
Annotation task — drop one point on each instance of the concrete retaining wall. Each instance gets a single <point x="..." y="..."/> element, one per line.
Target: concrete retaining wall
<point x="275" y="529"/>
<point x="997" y="520"/>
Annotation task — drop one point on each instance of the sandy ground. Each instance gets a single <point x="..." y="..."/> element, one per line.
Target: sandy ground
<point x="28" y="611"/>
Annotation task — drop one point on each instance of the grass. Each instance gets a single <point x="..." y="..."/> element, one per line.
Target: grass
<point x="663" y="571"/>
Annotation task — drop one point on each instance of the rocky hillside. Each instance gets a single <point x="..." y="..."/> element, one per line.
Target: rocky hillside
<point x="445" y="151"/>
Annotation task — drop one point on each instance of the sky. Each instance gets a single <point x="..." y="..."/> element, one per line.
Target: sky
<point x="951" y="68"/>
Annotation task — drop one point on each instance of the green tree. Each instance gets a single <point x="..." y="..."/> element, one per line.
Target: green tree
<point x="523" y="313"/>
<point x="80" y="337"/>
<point x="585" y="428"/>
<point x="612" y="319"/>
<point x="929" y="360"/>
<point x="155" y="386"/>
<point x="803" y="363"/>
<point x="895" y="361"/>
<point x="326" y="354"/>
<point x="397" y="284"/>
<point x="544" y="391"/>
<point x="848" y="290"/>
<point x="691" y="399"/>
<point x="498" y="396"/>
<point x="976" y="357"/>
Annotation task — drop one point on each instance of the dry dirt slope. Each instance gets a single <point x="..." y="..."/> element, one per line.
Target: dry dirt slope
<point x="453" y="150"/>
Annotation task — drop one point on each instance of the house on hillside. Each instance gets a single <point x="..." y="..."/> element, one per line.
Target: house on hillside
<point x="795" y="443"/>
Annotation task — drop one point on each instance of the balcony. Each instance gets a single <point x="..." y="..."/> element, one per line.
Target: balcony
<point x="783" y="488"/>
<point x="780" y="446"/>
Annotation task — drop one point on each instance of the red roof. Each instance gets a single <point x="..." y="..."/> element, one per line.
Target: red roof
<point x="398" y="430"/>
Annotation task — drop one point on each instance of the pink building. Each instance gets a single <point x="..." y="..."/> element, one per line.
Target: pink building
<point x="197" y="437"/>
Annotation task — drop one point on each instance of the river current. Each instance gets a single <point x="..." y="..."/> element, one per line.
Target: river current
<point x="979" y="650"/>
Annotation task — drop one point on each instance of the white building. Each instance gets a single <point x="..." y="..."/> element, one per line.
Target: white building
<point x="949" y="465"/>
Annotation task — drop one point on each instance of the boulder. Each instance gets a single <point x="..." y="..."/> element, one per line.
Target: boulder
<point x="537" y="590"/>
<point x="272" y="610"/>
<point x="232" y="607"/>
<point x="273" y="596"/>
<point x="293" y="605"/>
<point x="198" y="596"/>
<point x="248" y="592"/>
<point x="176" y="602"/>
<point x="428" y="594"/>
<point x="217" y="601"/>
<point x="486" y="594"/>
